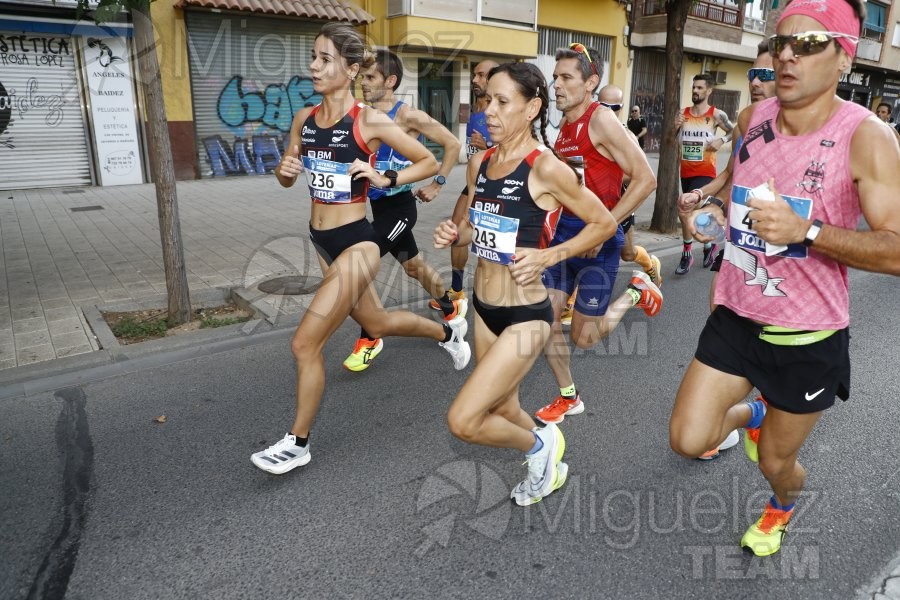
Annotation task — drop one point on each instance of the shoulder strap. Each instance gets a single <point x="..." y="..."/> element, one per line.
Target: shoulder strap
<point x="532" y="156"/>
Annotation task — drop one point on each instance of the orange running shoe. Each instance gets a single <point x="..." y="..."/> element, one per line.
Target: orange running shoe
<point x="460" y="309"/>
<point x="651" y="297"/>
<point x="763" y="538"/>
<point x="557" y="410"/>
<point x="452" y="294"/>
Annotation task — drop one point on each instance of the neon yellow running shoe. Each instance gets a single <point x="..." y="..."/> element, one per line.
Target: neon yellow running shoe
<point x="363" y="354"/>
<point x="763" y="538"/>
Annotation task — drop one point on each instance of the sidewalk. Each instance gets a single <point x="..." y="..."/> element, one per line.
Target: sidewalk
<point x="65" y="251"/>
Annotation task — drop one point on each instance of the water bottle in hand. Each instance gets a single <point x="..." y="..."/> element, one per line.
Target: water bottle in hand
<point x="706" y="225"/>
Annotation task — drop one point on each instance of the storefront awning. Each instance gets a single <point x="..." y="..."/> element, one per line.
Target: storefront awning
<point x="329" y="10"/>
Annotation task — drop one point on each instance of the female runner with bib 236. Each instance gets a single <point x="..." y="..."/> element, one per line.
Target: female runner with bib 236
<point x="335" y="142"/>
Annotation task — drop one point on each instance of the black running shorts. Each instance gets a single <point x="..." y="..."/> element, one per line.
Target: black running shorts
<point x="498" y="318"/>
<point x="393" y="218"/>
<point x="795" y="379"/>
<point x="329" y="243"/>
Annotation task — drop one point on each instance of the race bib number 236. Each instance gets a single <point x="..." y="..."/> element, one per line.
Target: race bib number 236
<point x="328" y="180"/>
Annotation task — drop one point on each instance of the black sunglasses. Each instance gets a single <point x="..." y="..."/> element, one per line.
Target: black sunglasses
<point x="580" y="49"/>
<point x="805" y="43"/>
<point x="762" y="73"/>
<point x="612" y="107"/>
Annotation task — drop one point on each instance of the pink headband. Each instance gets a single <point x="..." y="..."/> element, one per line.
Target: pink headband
<point x="834" y="15"/>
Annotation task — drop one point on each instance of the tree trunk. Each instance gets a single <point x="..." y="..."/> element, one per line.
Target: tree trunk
<point x="162" y="170"/>
<point x="668" y="177"/>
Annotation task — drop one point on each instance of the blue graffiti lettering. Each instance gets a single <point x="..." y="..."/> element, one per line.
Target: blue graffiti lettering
<point x="240" y="158"/>
<point x="274" y="107"/>
<point x="237" y="107"/>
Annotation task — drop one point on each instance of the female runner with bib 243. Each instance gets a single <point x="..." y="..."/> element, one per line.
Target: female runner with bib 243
<point x="335" y="144"/>
<point x="516" y="192"/>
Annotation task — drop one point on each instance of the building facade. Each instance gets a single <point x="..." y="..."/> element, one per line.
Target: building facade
<point x="720" y="38"/>
<point x="69" y="104"/>
<point x="235" y="71"/>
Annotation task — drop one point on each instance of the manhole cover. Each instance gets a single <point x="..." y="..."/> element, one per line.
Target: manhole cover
<point x="290" y="285"/>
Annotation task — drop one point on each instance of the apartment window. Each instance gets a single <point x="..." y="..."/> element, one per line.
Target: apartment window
<point x="551" y="40"/>
<point x="896" y="41"/>
<point x="755" y="17"/>
<point x="873" y="28"/>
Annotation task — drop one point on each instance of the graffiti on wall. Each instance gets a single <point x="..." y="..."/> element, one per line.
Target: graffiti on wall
<point x="259" y="121"/>
<point x="5" y="118"/>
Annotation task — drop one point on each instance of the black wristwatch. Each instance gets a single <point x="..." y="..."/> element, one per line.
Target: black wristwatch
<point x="440" y="180"/>
<point x="713" y="200"/>
<point x="392" y="175"/>
<point x="812" y="233"/>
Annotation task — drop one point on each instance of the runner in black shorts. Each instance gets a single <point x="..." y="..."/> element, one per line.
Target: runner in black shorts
<point x="394" y="210"/>
<point x="521" y="188"/>
<point x="791" y="337"/>
<point x="333" y="140"/>
<point x="781" y="367"/>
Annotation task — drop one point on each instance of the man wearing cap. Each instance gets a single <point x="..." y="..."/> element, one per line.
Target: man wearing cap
<point x="809" y="165"/>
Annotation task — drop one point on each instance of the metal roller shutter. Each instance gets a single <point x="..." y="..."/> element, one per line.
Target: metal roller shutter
<point x="42" y="129"/>
<point x="249" y="75"/>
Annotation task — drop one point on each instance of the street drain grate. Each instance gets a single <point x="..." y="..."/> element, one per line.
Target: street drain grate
<point x="290" y="285"/>
<point x="86" y="208"/>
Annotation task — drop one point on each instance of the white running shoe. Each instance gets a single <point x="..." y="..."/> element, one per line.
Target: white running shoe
<point x="545" y="473"/>
<point x="731" y="441"/>
<point x="456" y="345"/>
<point x="282" y="456"/>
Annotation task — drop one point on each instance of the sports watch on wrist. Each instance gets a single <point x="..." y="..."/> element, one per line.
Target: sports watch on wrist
<point x="713" y="200"/>
<point x="812" y="232"/>
<point x="392" y="175"/>
<point x="440" y="180"/>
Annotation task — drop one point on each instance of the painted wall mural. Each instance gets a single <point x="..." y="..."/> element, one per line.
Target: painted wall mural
<point x="259" y="121"/>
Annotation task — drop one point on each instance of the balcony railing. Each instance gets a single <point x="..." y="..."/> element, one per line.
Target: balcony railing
<point x="708" y="11"/>
<point x="755" y="25"/>
<point x="873" y="32"/>
<point x="869" y="49"/>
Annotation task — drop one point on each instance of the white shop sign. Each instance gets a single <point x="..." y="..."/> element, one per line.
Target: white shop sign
<point x="113" y="110"/>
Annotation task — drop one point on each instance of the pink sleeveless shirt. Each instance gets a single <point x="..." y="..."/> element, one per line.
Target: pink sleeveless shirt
<point x="797" y="288"/>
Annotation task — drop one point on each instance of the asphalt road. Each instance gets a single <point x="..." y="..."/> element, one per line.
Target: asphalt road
<point x="100" y="501"/>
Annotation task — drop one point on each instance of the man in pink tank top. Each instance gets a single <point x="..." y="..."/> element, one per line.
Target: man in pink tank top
<point x="808" y="166"/>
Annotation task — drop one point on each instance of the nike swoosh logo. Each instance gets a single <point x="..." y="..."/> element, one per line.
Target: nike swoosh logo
<point x="810" y="397"/>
